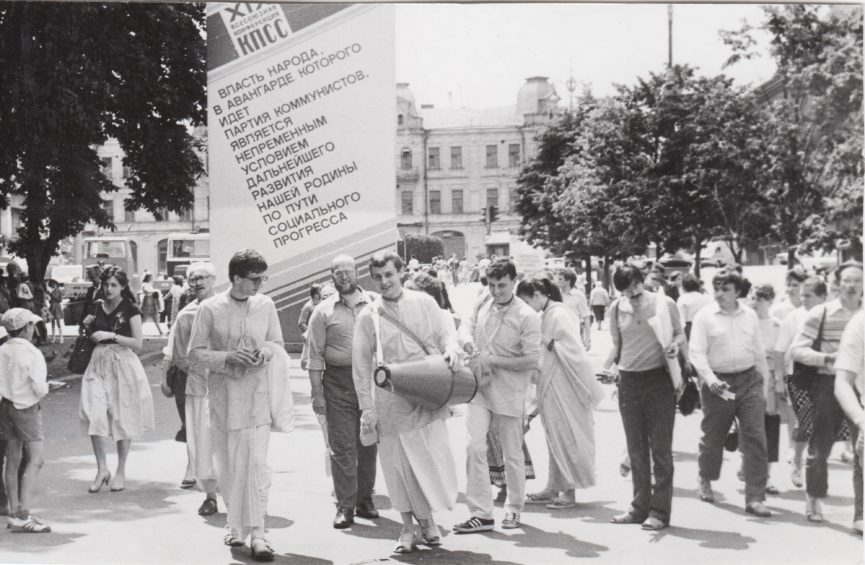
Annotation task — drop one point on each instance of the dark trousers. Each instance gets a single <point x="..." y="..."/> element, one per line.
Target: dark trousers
<point x="178" y="387"/>
<point x="828" y="418"/>
<point x="772" y="422"/>
<point x="4" y="499"/>
<point x="647" y="403"/>
<point x="352" y="464"/>
<point x="749" y="407"/>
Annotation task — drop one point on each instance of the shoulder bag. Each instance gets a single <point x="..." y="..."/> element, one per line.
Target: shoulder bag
<point x="804" y="375"/>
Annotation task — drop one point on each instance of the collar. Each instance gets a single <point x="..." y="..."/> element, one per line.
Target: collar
<point x="716" y="309"/>
<point x="365" y="298"/>
<point x="833" y="306"/>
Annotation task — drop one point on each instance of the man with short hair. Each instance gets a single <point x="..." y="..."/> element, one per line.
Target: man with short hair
<point x="505" y="333"/>
<point x="727" y="352"/>
<point x="413" y="442"/>
<point x="792" y="282"/>
<point x="825" y="323"/>
<point x="234" y="337"/>
<point x="329" y="350"/>
<point x="191" y="391"/>
<point x="23" y="383"/>
<point x="94" y="293"/>
<point x="647" y="395"/>
<point x="573" y="298"/>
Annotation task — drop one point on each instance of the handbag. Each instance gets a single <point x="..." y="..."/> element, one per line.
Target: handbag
<point x="731" y="442"/>
<point x="804" y="375"/>
<point x="690" y="399"/>
<point x="82" y="351"/>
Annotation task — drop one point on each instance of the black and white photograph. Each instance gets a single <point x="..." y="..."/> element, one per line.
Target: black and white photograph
<point x="428" y="283"/>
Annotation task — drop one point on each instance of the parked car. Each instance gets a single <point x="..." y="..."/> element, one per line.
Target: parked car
<point x="65" y="274"/>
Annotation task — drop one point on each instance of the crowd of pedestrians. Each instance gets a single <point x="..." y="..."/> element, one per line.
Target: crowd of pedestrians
<point x="760" y="363"/>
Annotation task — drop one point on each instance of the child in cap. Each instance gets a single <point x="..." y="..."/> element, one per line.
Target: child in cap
<point x="23" y="383"/>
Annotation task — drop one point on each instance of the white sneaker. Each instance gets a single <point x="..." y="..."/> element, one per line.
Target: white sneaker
<point x="30" y="524"/>
<point x="511" y="521"/>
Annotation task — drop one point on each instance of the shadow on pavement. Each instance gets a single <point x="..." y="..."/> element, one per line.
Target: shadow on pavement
<point x="36" y="542"/>
<point x="440" y="555"/>
<point x="533" y="537"/>
<point x="243" y="555"/>
<point x="710" y="539"/>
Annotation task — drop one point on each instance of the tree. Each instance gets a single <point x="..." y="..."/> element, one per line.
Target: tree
<point x="816" y="124"/>
<point x="73" y="75"/>
<point x="424" y="247"/>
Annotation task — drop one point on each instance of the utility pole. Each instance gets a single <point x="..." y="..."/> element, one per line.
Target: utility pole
<point x="571" y="85"/>
<point x="669" y="36"/>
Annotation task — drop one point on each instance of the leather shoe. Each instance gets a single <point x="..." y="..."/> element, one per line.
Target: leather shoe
<point x="758" y="509"/>
<point x="366" y="510"/>
<point x="343" y="519"/>
<point x="705" y="491"/>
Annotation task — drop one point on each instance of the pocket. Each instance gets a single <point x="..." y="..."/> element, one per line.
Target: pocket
<point x="716" y="331"/>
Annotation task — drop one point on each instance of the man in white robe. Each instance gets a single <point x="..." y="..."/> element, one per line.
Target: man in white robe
<point x="231" y="338"/>
<point x="414" y="447"/>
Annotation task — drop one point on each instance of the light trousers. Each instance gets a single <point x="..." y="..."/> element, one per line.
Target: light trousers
<point x="478" y="490"/>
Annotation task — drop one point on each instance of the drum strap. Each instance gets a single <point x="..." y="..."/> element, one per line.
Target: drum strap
<point x="378" y="313"/>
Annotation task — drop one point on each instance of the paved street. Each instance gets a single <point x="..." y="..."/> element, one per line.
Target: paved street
<point x="154" y="521"/>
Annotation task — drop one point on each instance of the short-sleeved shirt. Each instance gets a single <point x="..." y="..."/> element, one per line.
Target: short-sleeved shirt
<point x="851" y="352"/>
<point x="331" y="328"/>
<point x="576" y="301"/>
<point x="24" y="373"/>
<point x="641" y="350"/>
<point x="835" y="320"/>
<point x="117" y="320"/>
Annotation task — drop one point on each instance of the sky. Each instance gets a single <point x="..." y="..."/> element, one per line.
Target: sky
<point x="478" y="56"/>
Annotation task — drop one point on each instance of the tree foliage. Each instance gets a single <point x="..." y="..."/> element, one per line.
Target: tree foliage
<point x="73" y="75"/>
<point x="815" y="124"/>
<point x="424" y="247"/>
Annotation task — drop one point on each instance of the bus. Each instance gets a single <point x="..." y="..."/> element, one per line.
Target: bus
<point x="184" y="249"/>
<point x="111" y="250"/>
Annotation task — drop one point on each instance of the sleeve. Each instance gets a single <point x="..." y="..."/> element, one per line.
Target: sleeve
<point x="583" y="306"/>
<point x="181" y="331"/>
<point x="168" y="350"/>
<point x="851" y="349"/>
<point x="362" y="350"/>
<point x="614" y="324"/>
<point x="786" y="333"/>
<point x="530" y="335"/>
<point x="316" y="338"/>
<point x="675" y="318"/>
<point x="39" y="374"/>
<point x="467" y="327"/>
<point x="800" y="349"/>
<point x="446" y="336"/>
<point x="199" y="342"/>
<point x="682" y="307"/>
<point x="698" y="346"/>
<point x="759" y="348"/>
<point x="274" y="329"/>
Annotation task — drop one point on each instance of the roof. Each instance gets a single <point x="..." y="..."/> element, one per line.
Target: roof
<point x="503" y="116"/>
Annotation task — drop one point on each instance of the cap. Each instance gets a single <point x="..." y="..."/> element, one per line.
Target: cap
<point x="16" y="318"/>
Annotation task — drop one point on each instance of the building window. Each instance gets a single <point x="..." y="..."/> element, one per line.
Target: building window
<point x="492" y="156"/>
<point x="514" y="155"/>
<point x="435" y="202"/>
<point x="186" y="215"/>
<point x="108" y="207"/>
<point x="405" y="160"/>
<point x="129" y="216"/>
<point x="512" y="196"/>
<point x="164" y="214"/>
<point x="106" y="166"/>
<point x="407" y="203"/>
<point x="434" y="160"/>
<point x="457" y="202"/>
<point x="492" y="197"/>
<point x="127" y="171"/>
<point x="456" y="157"/>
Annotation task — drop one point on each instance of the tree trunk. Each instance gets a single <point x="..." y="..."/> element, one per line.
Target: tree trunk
<point x="697" y="253"/>
<point x="588" y="261"/>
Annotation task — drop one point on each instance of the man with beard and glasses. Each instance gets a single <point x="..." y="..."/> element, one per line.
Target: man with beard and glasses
<point x="329" y="344"/>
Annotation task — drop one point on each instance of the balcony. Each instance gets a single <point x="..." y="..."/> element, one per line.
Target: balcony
<point x="411" y="174"/>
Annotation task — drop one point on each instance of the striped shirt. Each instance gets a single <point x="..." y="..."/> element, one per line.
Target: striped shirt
<point x="833" y="327"/>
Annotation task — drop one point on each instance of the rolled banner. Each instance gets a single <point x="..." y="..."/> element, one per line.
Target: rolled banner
<point x="662" y="325"/>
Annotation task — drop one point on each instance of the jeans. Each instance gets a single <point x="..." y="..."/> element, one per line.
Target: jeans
<point x="478" y="489"/>
<point x="749" y="407"/>
<point x="352" y="464"/>
<point x="647" y="403"/>
<point x="828" y="417"/>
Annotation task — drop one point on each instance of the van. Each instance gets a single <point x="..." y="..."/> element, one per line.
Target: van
<point x="717" y="253"/>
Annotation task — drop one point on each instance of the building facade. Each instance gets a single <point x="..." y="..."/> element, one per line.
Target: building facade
<point x="453" y="163"/>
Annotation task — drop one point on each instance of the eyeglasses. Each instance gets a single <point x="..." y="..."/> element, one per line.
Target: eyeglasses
<point x="257" y="279"/>
<point x="193" y="280"/>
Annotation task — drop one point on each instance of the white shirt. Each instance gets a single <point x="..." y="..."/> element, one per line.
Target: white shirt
<point x="724" y="342"/>
<point x="25" y="375"/>
<point x="576" y="301"/>
<point x="689" y="304"/>
<point x="790" y="326"/>
<point x="851" y="356"/>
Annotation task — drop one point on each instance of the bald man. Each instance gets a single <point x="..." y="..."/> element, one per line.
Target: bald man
<point x="329" y="345"/>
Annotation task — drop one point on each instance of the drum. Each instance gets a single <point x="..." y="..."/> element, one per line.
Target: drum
<point x="427" y="382"/>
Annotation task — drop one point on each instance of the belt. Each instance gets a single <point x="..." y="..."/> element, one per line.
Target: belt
<point x="646" y="373"/>
<point x="749" y="370"/>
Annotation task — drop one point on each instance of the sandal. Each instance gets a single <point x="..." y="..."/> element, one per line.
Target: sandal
<point x="540" y="498"/>
<point x="561" y="504"/>
<point x="232" y="540"/>
<point x="260" y="549"/>
<point x="653" y="524"/>
<point x="406" y="543"/>
<point x="626" y="518"/>
<point x="433" y="540"/>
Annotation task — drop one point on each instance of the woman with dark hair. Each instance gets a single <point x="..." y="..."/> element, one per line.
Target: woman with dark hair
<point x="567" y="394"/>
<point x="115" y="394"/>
